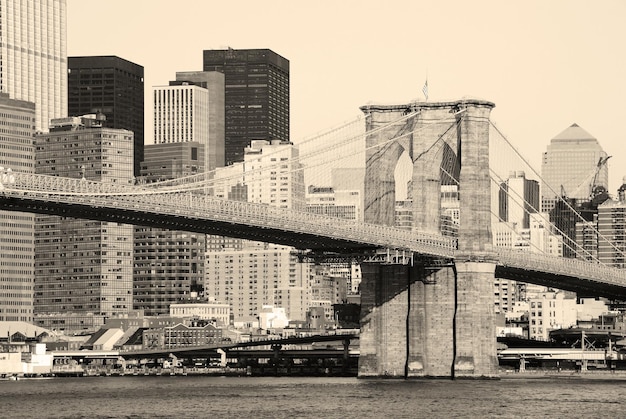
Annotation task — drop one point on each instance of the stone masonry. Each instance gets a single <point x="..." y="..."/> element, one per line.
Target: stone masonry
<point x="431" y="319"/>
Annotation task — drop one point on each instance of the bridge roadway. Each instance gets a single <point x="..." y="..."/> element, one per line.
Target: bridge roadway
<point x="189" y="211"/>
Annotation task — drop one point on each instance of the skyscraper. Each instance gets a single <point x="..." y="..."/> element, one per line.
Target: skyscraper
<point x="213" y="81"/>
<point x="33" y="56"/>
<point x="33" y="68"/>
<point x="192" y="109"/>
<point x="17" y="151"/>
<point x="113" y="86"/>
<point x="256" y="96"/>
<point x="83" y="267"/>
<point x="573" y="164"/>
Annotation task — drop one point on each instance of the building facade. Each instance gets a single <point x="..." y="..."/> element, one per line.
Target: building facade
<point x="168" y="264"/>
<point x="248" y="279"/>
<point x="518" y="199"/>
<point x="17" y="246"/>
<point x="83" y="266"/>
<point x="571" y="167"/>
<point x="213" y="81"/>
<point x="203" y="310"/>
<point x="605" y="236"/>
<point x="256" y="96"/>
<point x="180" y="114"/>
<point x="33" y="53"/>
<point x="113" y="86"/>
<point x="273" y="174"/>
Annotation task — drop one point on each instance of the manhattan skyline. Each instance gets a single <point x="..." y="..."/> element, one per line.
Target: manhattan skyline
<point x="545" y="66"/>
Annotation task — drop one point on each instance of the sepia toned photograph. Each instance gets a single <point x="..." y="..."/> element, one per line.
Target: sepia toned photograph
<point x="286" y="209"/>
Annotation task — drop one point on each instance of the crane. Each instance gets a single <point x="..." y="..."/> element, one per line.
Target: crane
<point x="592" y="178"/>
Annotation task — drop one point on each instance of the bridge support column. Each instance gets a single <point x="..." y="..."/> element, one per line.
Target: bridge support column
<point x="431" y="318"/>
<point x="406" y="321"/>
<point x="475" y="335"/>
<point x="423" y="321"/>
<point x="384" y="310"/>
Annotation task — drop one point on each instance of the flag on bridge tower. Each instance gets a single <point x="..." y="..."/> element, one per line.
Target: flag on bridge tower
<point x="425" y="90"/>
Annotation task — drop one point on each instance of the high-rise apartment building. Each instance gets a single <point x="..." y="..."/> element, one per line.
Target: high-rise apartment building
<point x="573" y="164"/>
<point x="33" y="56"/>
<point x="248" y="275"/>
<point x="168" y="264"/>
<point x="113" y="86"/>
<point x="83" y="267"/>
<point x="256" y="96"/>
<point x="17" y="248"/>
<point x="273" y="174"/>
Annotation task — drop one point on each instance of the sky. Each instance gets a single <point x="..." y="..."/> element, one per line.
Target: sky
<point x="545" y="64"/>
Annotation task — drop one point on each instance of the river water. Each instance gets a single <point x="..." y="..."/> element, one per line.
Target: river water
<point x="286" y="397"/>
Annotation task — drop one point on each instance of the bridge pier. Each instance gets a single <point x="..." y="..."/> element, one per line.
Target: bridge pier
<point x="427" y="321"/>
<point x="422" y="320"/>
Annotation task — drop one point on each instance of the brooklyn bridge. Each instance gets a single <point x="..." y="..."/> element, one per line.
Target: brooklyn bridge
<point x="427" y="297"/>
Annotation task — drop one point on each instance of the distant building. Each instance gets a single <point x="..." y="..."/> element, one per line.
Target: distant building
<point x="518" y="198"/>
<point x="571" y="167"/>
<point x="609" y="242"/>
<point x="181" y="336"/>
<point x="284" y="188"/>
<point x="17" y="153"/>
<point x="256" y="96"/>
<point x="554" y="310"/>
<point x="113" y="86"/>
<point x="191" y="108"/>
<point x="83" y="266"/>
<point x="213" y="81"/>
<point x="271" y="317"/>
<point x="203" y="310"/>
<point x="247" y="279"/>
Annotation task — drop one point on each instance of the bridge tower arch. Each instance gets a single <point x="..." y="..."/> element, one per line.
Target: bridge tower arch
<point x="434" y="318"/>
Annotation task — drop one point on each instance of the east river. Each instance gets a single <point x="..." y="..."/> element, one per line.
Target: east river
<point x="285" y="397"/>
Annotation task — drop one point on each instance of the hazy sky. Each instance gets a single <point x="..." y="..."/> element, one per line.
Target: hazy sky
<point x="545" y="64"/>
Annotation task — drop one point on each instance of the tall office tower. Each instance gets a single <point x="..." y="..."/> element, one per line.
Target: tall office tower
<point x="213" y="81"/>
<point x="17" y="246"/>
<point x="168" y="264"/>
<point x="113" y="86"/>
<point x="257" y="96"/>
<point x="518" y="198"/>
<point x="33" y="54"/>
<point x="181" y="114"/>
<point x="573" y="165"/>
<point x="83" y="268"/>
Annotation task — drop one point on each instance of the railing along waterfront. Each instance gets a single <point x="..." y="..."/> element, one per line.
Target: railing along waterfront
<point x="200" y="206"/>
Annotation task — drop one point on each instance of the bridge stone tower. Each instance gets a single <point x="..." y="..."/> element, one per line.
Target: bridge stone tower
<point x="434" y="318"/>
